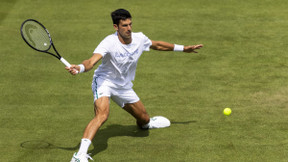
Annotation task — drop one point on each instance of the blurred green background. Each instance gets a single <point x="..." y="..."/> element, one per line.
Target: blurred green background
<point x="243" y="65"/>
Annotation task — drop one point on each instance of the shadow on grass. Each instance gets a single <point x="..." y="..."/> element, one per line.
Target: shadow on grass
<point x="40" y="144"/>
<point x="183" y="122"/>
<point x="100" y="142"/>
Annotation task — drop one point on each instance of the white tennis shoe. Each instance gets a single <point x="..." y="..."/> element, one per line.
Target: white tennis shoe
<point x="80" y="158"/>
<point x="157" y="122"/>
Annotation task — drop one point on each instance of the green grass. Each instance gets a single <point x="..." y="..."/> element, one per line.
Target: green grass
<point x="243" y="65"/>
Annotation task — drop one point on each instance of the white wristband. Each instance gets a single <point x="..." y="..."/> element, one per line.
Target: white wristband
<point x="178" y="48"/>
<point x="82" y="68"/>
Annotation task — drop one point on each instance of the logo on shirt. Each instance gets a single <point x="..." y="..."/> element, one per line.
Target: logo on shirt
<point x="126" y="54"/>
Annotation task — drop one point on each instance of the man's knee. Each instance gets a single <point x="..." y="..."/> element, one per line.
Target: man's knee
<point x="101" y="117"/>
<point x="101" y="109"/>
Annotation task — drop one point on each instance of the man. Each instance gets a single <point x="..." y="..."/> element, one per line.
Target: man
<point x="113" y="78"/>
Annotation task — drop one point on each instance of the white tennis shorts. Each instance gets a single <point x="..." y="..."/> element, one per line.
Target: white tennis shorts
<point x="119" y="94"/>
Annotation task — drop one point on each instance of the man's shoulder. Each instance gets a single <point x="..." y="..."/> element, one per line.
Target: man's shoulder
<point x="108" y="40"/>
<point x="111" y="37"/>
<point x="138" y="34"/>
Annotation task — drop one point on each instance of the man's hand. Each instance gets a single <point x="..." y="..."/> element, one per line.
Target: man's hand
<point x="192" y="48"/>
<point x="74" y="69"/>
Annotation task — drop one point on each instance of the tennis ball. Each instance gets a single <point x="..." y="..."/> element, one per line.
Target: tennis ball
<point x="227" y="111"/>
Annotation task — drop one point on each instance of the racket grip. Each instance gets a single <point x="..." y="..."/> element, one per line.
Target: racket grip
<point x="65" y="62"/>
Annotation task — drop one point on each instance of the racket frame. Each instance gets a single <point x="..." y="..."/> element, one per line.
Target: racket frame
<point x="58" y="56"/>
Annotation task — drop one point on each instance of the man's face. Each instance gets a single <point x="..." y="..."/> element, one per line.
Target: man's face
<point x="124" y="28"/>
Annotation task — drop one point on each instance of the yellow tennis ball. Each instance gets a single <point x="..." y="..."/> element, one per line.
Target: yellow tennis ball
<point x="227" y="111"/>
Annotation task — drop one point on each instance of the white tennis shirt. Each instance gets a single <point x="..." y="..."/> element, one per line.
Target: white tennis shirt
<point x="119" y="60"/>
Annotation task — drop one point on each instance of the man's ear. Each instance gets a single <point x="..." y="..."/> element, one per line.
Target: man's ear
<point x="115" y="27"/>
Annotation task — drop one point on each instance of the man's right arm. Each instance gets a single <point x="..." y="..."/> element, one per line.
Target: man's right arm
<point x="87" y="64"/>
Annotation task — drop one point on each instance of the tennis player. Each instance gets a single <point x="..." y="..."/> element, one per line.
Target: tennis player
<point x="113" y="78"/>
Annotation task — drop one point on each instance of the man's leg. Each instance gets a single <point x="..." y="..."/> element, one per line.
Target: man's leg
<point x="101" y="109"/>
<point x="138" y="110"/>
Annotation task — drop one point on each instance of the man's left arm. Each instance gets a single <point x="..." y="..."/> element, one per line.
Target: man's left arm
<point x="165" y="46"/>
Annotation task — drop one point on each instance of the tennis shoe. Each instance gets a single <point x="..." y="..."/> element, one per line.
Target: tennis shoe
<point x="159" y="122"/>
<point x="80" y="158"/>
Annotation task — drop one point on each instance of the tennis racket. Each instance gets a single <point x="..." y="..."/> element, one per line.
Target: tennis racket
<point x="38" y="38"/>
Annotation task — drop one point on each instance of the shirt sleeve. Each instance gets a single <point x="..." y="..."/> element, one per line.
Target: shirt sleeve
<point x="102" y="48"/>
<point x="147" y="43"/>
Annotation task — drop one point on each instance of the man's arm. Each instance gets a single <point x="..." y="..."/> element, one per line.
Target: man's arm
<point x="165" y="46"/>
<point x="86" y="64"/>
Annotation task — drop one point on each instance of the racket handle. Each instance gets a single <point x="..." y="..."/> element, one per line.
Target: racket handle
<point x="66" y="63"/>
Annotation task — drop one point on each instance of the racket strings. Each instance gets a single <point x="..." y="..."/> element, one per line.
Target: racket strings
<point x="36" y="36"/>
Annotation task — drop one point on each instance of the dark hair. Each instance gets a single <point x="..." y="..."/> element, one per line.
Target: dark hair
<point x="120" y="14"/>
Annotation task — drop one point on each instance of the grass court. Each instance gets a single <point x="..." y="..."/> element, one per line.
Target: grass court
<point x="243" y="65"/>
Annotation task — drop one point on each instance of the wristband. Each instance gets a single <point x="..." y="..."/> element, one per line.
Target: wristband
<point x="178" y="48"/>
<point x="82" y="68"/>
